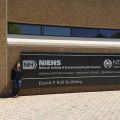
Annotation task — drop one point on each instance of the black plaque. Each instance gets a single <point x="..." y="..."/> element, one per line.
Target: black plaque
<point x="68" y="69"/>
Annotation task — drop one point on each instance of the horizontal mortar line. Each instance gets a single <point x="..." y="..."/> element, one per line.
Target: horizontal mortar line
<point x="69" y="55"/>
<point x="70" y="77"/>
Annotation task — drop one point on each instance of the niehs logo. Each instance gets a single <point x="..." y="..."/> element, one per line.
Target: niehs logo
<point x="49" y="62"/>
<point x="29" y="64"/>
<point x="107" y="63"/>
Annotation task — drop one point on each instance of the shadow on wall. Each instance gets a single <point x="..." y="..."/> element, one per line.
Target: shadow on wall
<point x="3" y="92"/>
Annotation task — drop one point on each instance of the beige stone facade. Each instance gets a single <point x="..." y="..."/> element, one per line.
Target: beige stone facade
<point x="79" y="13"/>
<point x="86" y="13"/>
<point x="3" y="48"/>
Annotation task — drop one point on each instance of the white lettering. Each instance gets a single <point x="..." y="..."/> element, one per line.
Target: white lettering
<point x="116" y="62"/>
<point x="49" y="62"/>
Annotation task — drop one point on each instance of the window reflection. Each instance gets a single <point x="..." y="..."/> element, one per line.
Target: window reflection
<point x="109" y="33"/>
<point x="24" y="29"/>
<point x="45" y="30"/>
<point x="84" y="32"/>
<point x="57" y="31"/>
<point x="14" y="29"/>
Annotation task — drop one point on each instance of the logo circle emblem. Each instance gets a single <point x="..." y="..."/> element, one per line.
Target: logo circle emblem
<point x="108" y="63"/>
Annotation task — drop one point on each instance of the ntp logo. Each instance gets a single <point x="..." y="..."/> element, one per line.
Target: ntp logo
<point x="107" y="63"/>
<point x="29" y="64"/>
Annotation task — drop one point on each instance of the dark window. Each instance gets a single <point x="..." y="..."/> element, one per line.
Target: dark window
<point x="14" y="29"/>
<point x="56" y="31"/>
<point x="24" y="29"/>
<point x="84" y="32"/>
<point x="30" y="29"/>
<point x="110" y="33"/>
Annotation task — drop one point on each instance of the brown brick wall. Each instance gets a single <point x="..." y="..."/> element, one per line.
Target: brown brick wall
<point x="14" y="52"/>
<point x="89" y="13"/>
<point x="3" y="44"/>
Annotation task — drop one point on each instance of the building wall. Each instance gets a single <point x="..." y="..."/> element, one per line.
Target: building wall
<point x="83" y="13"/>
<point x="14" y="52"/>
<point x="3" y="50"/>
<point x="86" y="13"/>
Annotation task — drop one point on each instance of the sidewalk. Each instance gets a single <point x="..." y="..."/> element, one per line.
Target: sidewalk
<point x="72" y="106"/>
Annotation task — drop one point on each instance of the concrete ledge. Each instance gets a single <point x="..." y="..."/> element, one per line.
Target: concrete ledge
<point x="30" y="40"/>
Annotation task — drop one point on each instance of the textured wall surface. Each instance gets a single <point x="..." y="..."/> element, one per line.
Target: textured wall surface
<point x="89" y="13"/>
<point x="3" y="44"/>
<point x="84" y="13"/>
<point x="14" y="52"/>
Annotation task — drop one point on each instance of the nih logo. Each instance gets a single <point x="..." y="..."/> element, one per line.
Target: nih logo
<point x="29" y="64"/>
